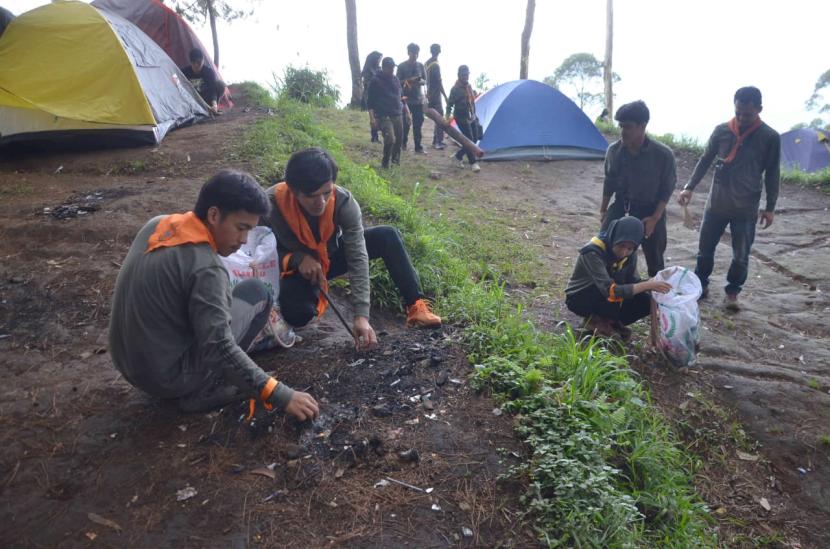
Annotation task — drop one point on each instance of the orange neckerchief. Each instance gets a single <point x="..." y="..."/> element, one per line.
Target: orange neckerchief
<point x="471" y="98"/>
<point x="292" y="213"/>
<point x="736" y="131"/>
<point x="178" y="229"/>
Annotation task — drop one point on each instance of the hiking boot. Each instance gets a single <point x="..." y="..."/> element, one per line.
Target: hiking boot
<point x="476" y="167"/>
<point x="284" y="333"/>
<point x="419" y="315"/>
<point x="600" y="326"/>
<point x="730" y="302"/>
<point x="438" y="146"/>
<point x="276" y="332"/>
<point x="622" y="330"/>
<point x="420" y="150"/>
<point x="704" y="294"/>
<point x="459" y="163"/>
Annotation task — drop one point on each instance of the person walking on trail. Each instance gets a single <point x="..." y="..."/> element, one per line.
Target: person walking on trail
<point x="604" y="287"/>
<point x="384" y="101"/>
<point x="204" y="79"/>
<point x="176" y="329"/>
<point x="320" y="236"/>
<point x="412" y="75"/>
<point x="745" y="151"/>
<point x="641" y="175"/>
<point x="370" y="68"/>
<point x="435" y="92"/>
<point x="462" y="103"/>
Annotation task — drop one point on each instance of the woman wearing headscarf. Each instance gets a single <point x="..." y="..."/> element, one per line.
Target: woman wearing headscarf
<point x="370" y="68"/>
<point x="604" y="287"/>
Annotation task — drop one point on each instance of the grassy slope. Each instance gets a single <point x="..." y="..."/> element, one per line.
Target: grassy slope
<point x="604" y="469"/>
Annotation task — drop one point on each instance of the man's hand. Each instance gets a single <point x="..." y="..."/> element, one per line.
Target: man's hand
<point x="311" y="270"/>
<point x="684" y="197"/>
<point x="364" y="334"/>
<point x="660" y="286"/>
<point x="765" y="218"/>
<point x="302" y="406"/>
<point x="648" y="225"/>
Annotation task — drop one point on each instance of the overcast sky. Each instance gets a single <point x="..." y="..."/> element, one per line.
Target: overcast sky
<point x="685" y="59"/>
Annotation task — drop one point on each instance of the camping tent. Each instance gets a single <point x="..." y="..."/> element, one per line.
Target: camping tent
<point x="6" y="17"/>
<point x="69" y="72"/>
<point x="166" y="28"/>
<point x="806" y="149"/>
<point x="526" y="119"/>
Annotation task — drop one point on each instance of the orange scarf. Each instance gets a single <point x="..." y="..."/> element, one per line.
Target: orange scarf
<point x="736" y="131"/>
<point x="292" y="213"/>
<point x="178" y="229"/>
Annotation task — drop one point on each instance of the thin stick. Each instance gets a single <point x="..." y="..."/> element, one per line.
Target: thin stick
<point x="404" y="484"/>
<point x="337" y="312"/>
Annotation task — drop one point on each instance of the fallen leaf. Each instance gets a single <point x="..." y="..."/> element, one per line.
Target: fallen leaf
<point x="765" y="504"/>
<point x="339" y="473"/>
<point x="91" y="536"/>
<point x="265" y="472"/>
<point x="98" y="519"/>
<point x="747" y="457"/>
<point x="720" y="511"/>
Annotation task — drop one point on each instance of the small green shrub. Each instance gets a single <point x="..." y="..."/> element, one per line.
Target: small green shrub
<point x="306" y="86"/>
<point x="820" y="179"/>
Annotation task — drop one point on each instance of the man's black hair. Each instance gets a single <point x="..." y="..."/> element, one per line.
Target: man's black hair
<point x="413" y="47"/>
<point x="749" y="94"/>
<point x="435" y="49"/>
<point x="309" y="169"/>
<point x="231" y="191"/>
<point x="636" y="112"/>
<point x="463" y="69"/>
<point x="196" y="55"/>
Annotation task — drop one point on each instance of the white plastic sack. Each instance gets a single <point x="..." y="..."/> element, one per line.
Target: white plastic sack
<point x="257" y="258"/>
<point x="679" y="316"/>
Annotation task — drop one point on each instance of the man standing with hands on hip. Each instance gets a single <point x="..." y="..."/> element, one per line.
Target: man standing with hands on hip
<point x="745" y="150"/>
<point x="641" y="175"/>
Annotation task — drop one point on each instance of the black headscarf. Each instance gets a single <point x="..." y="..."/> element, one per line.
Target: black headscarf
<point x="625" y="229"/>
<point x="372" y="65"/>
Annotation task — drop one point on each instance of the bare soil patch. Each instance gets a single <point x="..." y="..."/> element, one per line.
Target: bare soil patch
<point x="85" y="457"/>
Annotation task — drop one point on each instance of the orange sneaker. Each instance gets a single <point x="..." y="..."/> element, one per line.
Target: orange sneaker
<point x="419" y="315"/>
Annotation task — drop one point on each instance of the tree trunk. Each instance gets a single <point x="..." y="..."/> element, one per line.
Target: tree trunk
<point x="354" y="56"/>
<point x="212" y="17"/>
<point x="607" y="71"/>
<point x="531" y="8"/>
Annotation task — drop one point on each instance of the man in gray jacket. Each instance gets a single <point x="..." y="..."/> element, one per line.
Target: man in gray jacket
<point x="640" y="174"/>
<point x="745" y="151"/>
<point x="176" y="329"/>
<point x="320" y="236"/>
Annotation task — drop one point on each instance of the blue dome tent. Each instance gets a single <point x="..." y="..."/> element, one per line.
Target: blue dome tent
<point x="805" y="149"/>
<point x="528" y="120"/>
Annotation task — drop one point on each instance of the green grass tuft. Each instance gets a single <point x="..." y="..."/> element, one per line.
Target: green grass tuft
<point x="819" y="179"/>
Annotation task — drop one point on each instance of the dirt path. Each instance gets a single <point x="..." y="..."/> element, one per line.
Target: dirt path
<point x="85" y="457"/>
<point x="769" y="364"/>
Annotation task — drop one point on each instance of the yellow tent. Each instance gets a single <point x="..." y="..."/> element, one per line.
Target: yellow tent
<point x="68" y="69"/>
